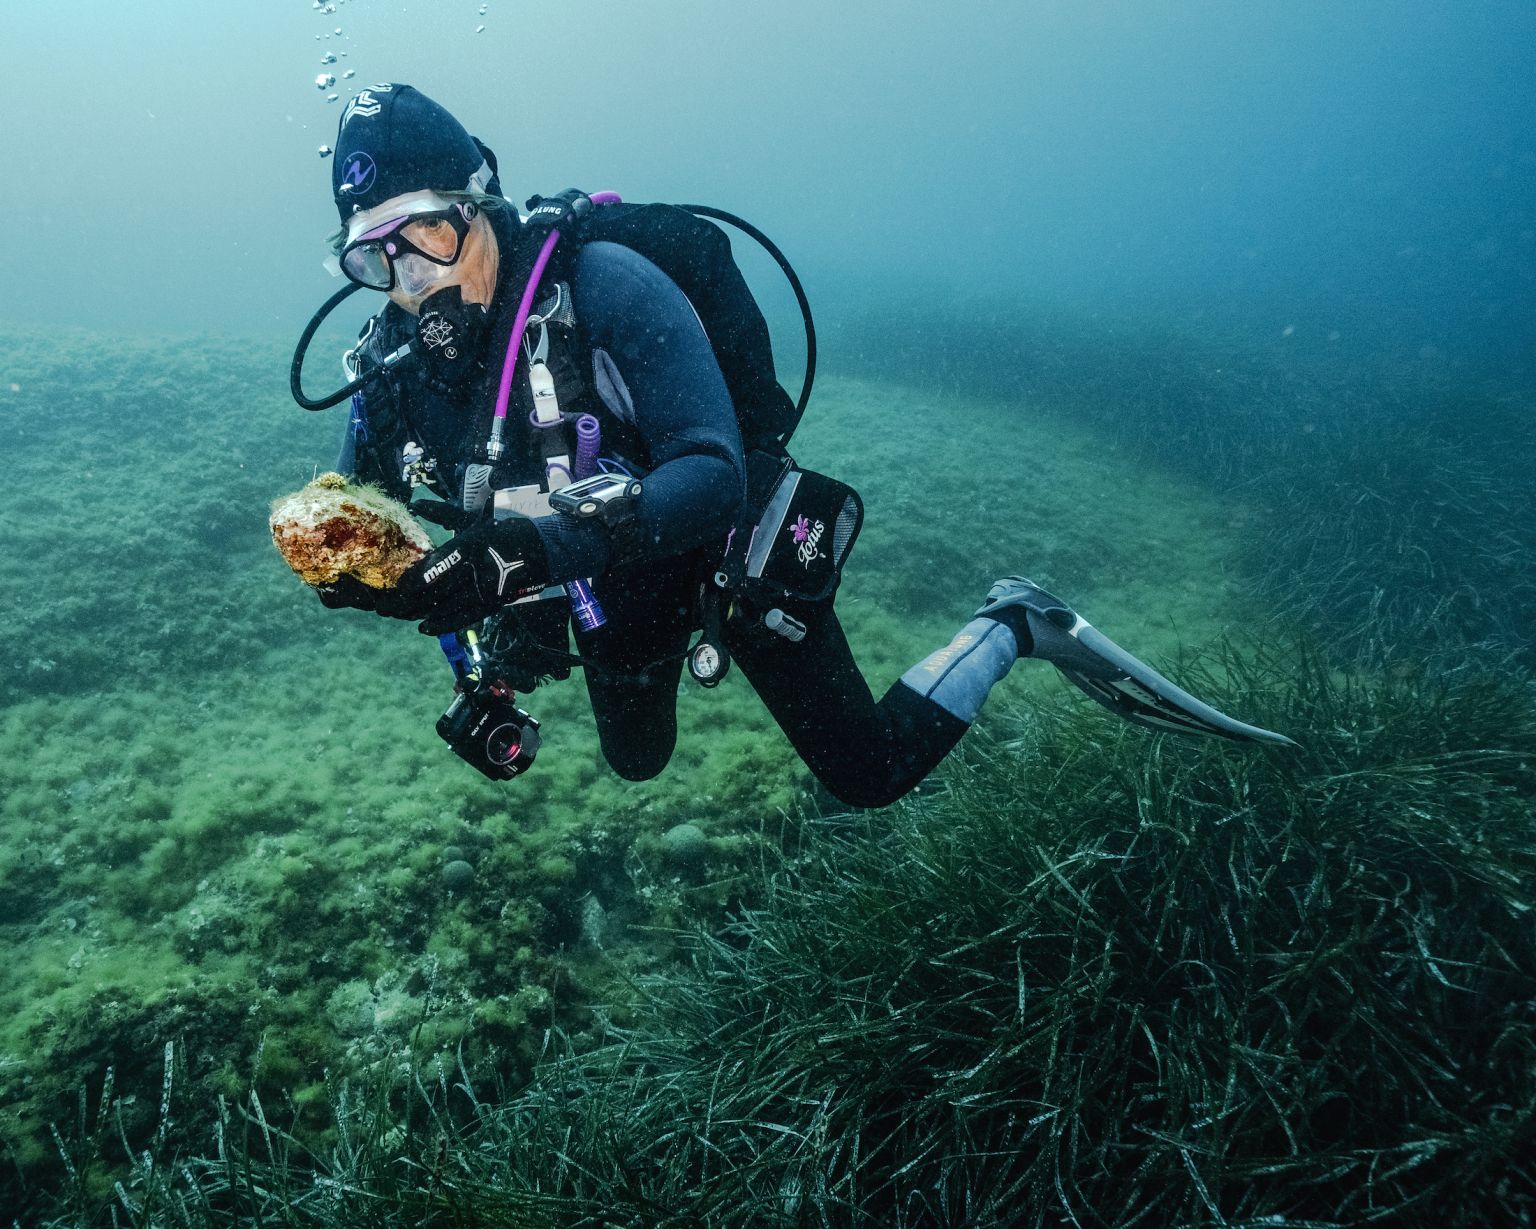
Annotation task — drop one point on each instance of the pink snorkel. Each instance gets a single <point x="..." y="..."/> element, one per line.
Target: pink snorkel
<point x="520" y="326"/>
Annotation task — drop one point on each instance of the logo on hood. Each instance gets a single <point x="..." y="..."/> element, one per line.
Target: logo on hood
<point x="358" y="171"/>
<point x="365" y="104"/>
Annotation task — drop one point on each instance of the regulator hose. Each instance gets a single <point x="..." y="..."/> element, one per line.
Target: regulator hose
<point x="295" y="371"/>
<point x="772" y="249"/>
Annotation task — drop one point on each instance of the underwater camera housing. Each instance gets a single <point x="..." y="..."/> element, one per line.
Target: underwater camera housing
<point x="487" y="730"/>
<point x="483" y="725"/>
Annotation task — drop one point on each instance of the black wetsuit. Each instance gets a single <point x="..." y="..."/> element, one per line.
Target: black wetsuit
<point x="654" y="372"/>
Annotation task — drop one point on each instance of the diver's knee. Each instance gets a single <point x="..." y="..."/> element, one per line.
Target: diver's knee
<point x="638" y="765"/>
<point x="866" y="794"/>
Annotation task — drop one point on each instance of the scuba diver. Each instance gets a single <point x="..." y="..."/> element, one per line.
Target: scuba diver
<point x="588" y="392"/>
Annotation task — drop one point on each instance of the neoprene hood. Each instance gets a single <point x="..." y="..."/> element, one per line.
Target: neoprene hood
<point x="393" y="139"/>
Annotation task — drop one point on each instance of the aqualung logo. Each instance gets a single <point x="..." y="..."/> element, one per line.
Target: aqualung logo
<point x="358" y="172"/>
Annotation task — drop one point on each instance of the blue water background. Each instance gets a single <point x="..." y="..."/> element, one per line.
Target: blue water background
<point x="1361" y="174"/>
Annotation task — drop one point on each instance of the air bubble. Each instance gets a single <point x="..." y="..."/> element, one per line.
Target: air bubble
<point x="328" y="58"/>
<point x="338" y="31"/>
<point x="483" y="7"/>
<point x="324" y="81"/>
<point x="332" y="97"/>
<point x="349" y="74"/>
<point x="479" y="29"/>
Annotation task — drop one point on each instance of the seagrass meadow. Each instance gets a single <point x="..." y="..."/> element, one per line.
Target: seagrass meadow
<point x="1087" y="975"/>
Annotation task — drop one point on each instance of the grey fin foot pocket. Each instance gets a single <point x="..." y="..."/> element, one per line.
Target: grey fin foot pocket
<point x="1093" y="662"/>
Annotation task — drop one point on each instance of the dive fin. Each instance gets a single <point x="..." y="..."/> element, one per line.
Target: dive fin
<point x="1139" y="693"/>
<point x="1122" y="683"/>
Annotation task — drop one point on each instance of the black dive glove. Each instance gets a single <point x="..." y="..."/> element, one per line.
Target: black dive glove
<point x="449" y="516"/>
<point x="469" y="577"/>
<point x="348" y="593"/>
<point x="472" y="575"/>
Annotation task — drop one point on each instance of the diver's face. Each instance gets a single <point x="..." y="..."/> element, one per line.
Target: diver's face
<point x="473" y="271"/>
<point x="419" y="243"/>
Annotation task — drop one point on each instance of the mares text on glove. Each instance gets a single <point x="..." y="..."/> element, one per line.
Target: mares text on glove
<point x="472" y="575"/>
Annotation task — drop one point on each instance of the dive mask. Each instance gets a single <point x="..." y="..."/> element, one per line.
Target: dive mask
<point x="409" y="251"/>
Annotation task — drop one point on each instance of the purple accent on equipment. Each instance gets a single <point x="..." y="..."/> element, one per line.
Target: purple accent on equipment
<point x="589" y="438"/>
<point x="359" y="172"/>
<point x="588" y="614"/>
<point x="520" y="324"/>
<point x="379" y="231"/>
<point x="525" y="306"/>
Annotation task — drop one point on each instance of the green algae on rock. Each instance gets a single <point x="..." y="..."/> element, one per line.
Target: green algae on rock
<point x="458" y="875"/>
<point x="684" y="844"/>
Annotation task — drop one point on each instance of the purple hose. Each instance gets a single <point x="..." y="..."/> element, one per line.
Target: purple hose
<point x="525" y="306"/>
<point x="589" y="438"/>
<point x="520" y="324"/>
<point x="589" y="615"/>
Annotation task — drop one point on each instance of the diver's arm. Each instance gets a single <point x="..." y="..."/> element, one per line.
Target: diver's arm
<point x="659" y="372"/>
